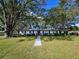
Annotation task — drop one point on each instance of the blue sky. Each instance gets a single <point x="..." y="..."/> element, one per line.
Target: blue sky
<point x="51" y="3"/>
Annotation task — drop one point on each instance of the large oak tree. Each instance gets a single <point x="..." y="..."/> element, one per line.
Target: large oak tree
<point x="13" y="10"/>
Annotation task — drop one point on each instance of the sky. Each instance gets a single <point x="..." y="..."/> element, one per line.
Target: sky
<point x="51" y="3"/>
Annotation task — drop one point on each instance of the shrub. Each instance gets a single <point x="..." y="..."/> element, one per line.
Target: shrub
<point x="74" y="28"/>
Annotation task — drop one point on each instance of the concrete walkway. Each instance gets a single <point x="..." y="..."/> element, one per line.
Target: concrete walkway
<point x="38" y="41"/>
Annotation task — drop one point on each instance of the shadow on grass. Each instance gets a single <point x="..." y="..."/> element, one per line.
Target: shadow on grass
<point x="30" y="38"/>
<point x="50" y="38"/>
<point x="21" y="40"/>
<point x="45" y="38"/>
<point x="26" y="38"/>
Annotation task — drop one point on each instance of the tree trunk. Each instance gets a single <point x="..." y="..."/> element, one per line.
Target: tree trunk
<point x="5" y="25"/>
<point x="8" y="31"/>
<point x="8" y="27"/>
<point x="5" y="31"/>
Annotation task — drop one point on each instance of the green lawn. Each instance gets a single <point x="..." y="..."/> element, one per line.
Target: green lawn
<point x="22" y="48"/>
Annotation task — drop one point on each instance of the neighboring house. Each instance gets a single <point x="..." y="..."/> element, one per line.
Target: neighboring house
<point x="71" y="24"/>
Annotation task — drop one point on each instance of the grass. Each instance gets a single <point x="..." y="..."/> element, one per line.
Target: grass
<point x="22" y="48"/>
